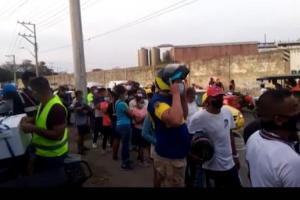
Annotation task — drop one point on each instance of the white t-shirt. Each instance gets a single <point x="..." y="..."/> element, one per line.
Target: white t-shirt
<point x="272" y="163"/>
<point x="217" y="128"/>
<point x="193" y="108"/>
<point x="263" y="90"/>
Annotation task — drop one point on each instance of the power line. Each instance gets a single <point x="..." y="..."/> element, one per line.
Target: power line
<point x="18" y="7"/>
<point x="45" y="20"/>
<point x="133" y="23"/>
<point x="61" y="11"/>
<point x="18" y="45"/>
<point x="4" y="3"/>
<point x="45" y="12"/>
<point x="9" y="7"/>
<point x="17" y="40"/>
<point x="14" y="8"/>
<point x="12" y="39"/>
<point x="58" y="20"/>
<point x="145" y="18"/>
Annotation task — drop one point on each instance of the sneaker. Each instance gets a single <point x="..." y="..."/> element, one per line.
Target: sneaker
<point x="102" y="152"/>
<point x="94" y="146"/>
<point x="126" y="166"/>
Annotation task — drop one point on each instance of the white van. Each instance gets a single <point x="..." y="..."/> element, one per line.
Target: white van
<point x="112" y="84"/>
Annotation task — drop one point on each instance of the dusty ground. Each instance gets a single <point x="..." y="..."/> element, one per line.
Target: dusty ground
<point x="108" y="173"/>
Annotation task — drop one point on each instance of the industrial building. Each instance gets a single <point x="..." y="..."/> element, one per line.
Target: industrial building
<point x="190" y="53"/>
<point x="149" y="56"/>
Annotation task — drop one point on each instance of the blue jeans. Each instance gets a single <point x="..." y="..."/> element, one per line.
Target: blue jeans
<point x="125" y="132"/>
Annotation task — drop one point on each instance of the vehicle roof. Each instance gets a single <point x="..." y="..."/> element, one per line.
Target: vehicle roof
<point x="278" y="77"/>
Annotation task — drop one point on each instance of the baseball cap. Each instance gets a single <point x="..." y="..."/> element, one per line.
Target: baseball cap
<point x="215" y="91"/>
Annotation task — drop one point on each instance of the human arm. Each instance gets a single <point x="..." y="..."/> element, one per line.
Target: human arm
<point x="56" y="124"/>
<point x="172" y="116"/>
<point x="232" y="141"/>
<point x="184" y="105"/>
<point x="234" y="151"/>
<point x="126" y="109"/>
<point x="148" y="132"/>
<point x="289" y="174"/>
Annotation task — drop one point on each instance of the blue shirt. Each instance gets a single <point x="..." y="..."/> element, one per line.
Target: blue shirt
<point x="148" y="132"/>
<point x="172" y="143"/>
<point x="121" y="112"/>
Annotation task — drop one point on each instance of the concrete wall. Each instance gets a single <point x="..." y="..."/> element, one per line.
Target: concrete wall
<point x="295" y="59"/>
<point x="243" y="69"/>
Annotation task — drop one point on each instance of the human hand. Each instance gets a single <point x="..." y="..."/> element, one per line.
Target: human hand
<point x="27" y="120"/>
<point x="196" y="159"/>
<point x="174" y="89"/>
<point x="27" y="127"/>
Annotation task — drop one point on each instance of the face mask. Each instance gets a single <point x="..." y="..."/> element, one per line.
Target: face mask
<point x="217" y="103"/>
<point x="128" y="88"/>
<point x="141" y="105"/>
<point x="293" y="125"/>
<point x="181" y="88"/>
<point x="126" y="97"/>
<point x="106" y="99"/>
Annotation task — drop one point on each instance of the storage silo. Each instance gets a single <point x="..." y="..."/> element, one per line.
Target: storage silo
<point x="155" y="56"/>
<point x="167" y="57"/>
<point x="143" y="57"/>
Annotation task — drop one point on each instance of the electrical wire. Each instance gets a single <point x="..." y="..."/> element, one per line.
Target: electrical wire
<point x="58" y="19"/>
<point x="13" y="9"/>
<point x="17" y="8"/>
<point x="148" y="17"/>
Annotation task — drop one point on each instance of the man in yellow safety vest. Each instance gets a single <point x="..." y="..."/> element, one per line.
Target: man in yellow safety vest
<point x="49" y="129"/>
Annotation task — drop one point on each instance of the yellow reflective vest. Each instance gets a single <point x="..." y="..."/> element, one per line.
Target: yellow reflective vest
<point x="46" y="147"/>
<point x="90" y="98"/>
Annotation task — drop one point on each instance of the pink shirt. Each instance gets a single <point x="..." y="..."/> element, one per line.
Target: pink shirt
<point x="139" y="116"/>
<point x="106" y="121"/>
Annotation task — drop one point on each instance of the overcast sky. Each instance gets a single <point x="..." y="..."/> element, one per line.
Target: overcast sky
<point x="202" y="21"/>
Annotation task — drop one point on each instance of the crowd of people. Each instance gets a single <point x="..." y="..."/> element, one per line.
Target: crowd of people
<point x="187" y="146"/>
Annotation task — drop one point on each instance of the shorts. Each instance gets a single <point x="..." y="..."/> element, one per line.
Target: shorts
<point x="83" y="129"/>
<point x="170" y="172"/>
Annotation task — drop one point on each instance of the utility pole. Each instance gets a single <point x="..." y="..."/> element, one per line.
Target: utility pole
<point x="32" y="28"/>
<point x="78" y="47"/>
<point x="14" y="66"/>
<point x="52" y="73"/>
<point x="265" y="38"/>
